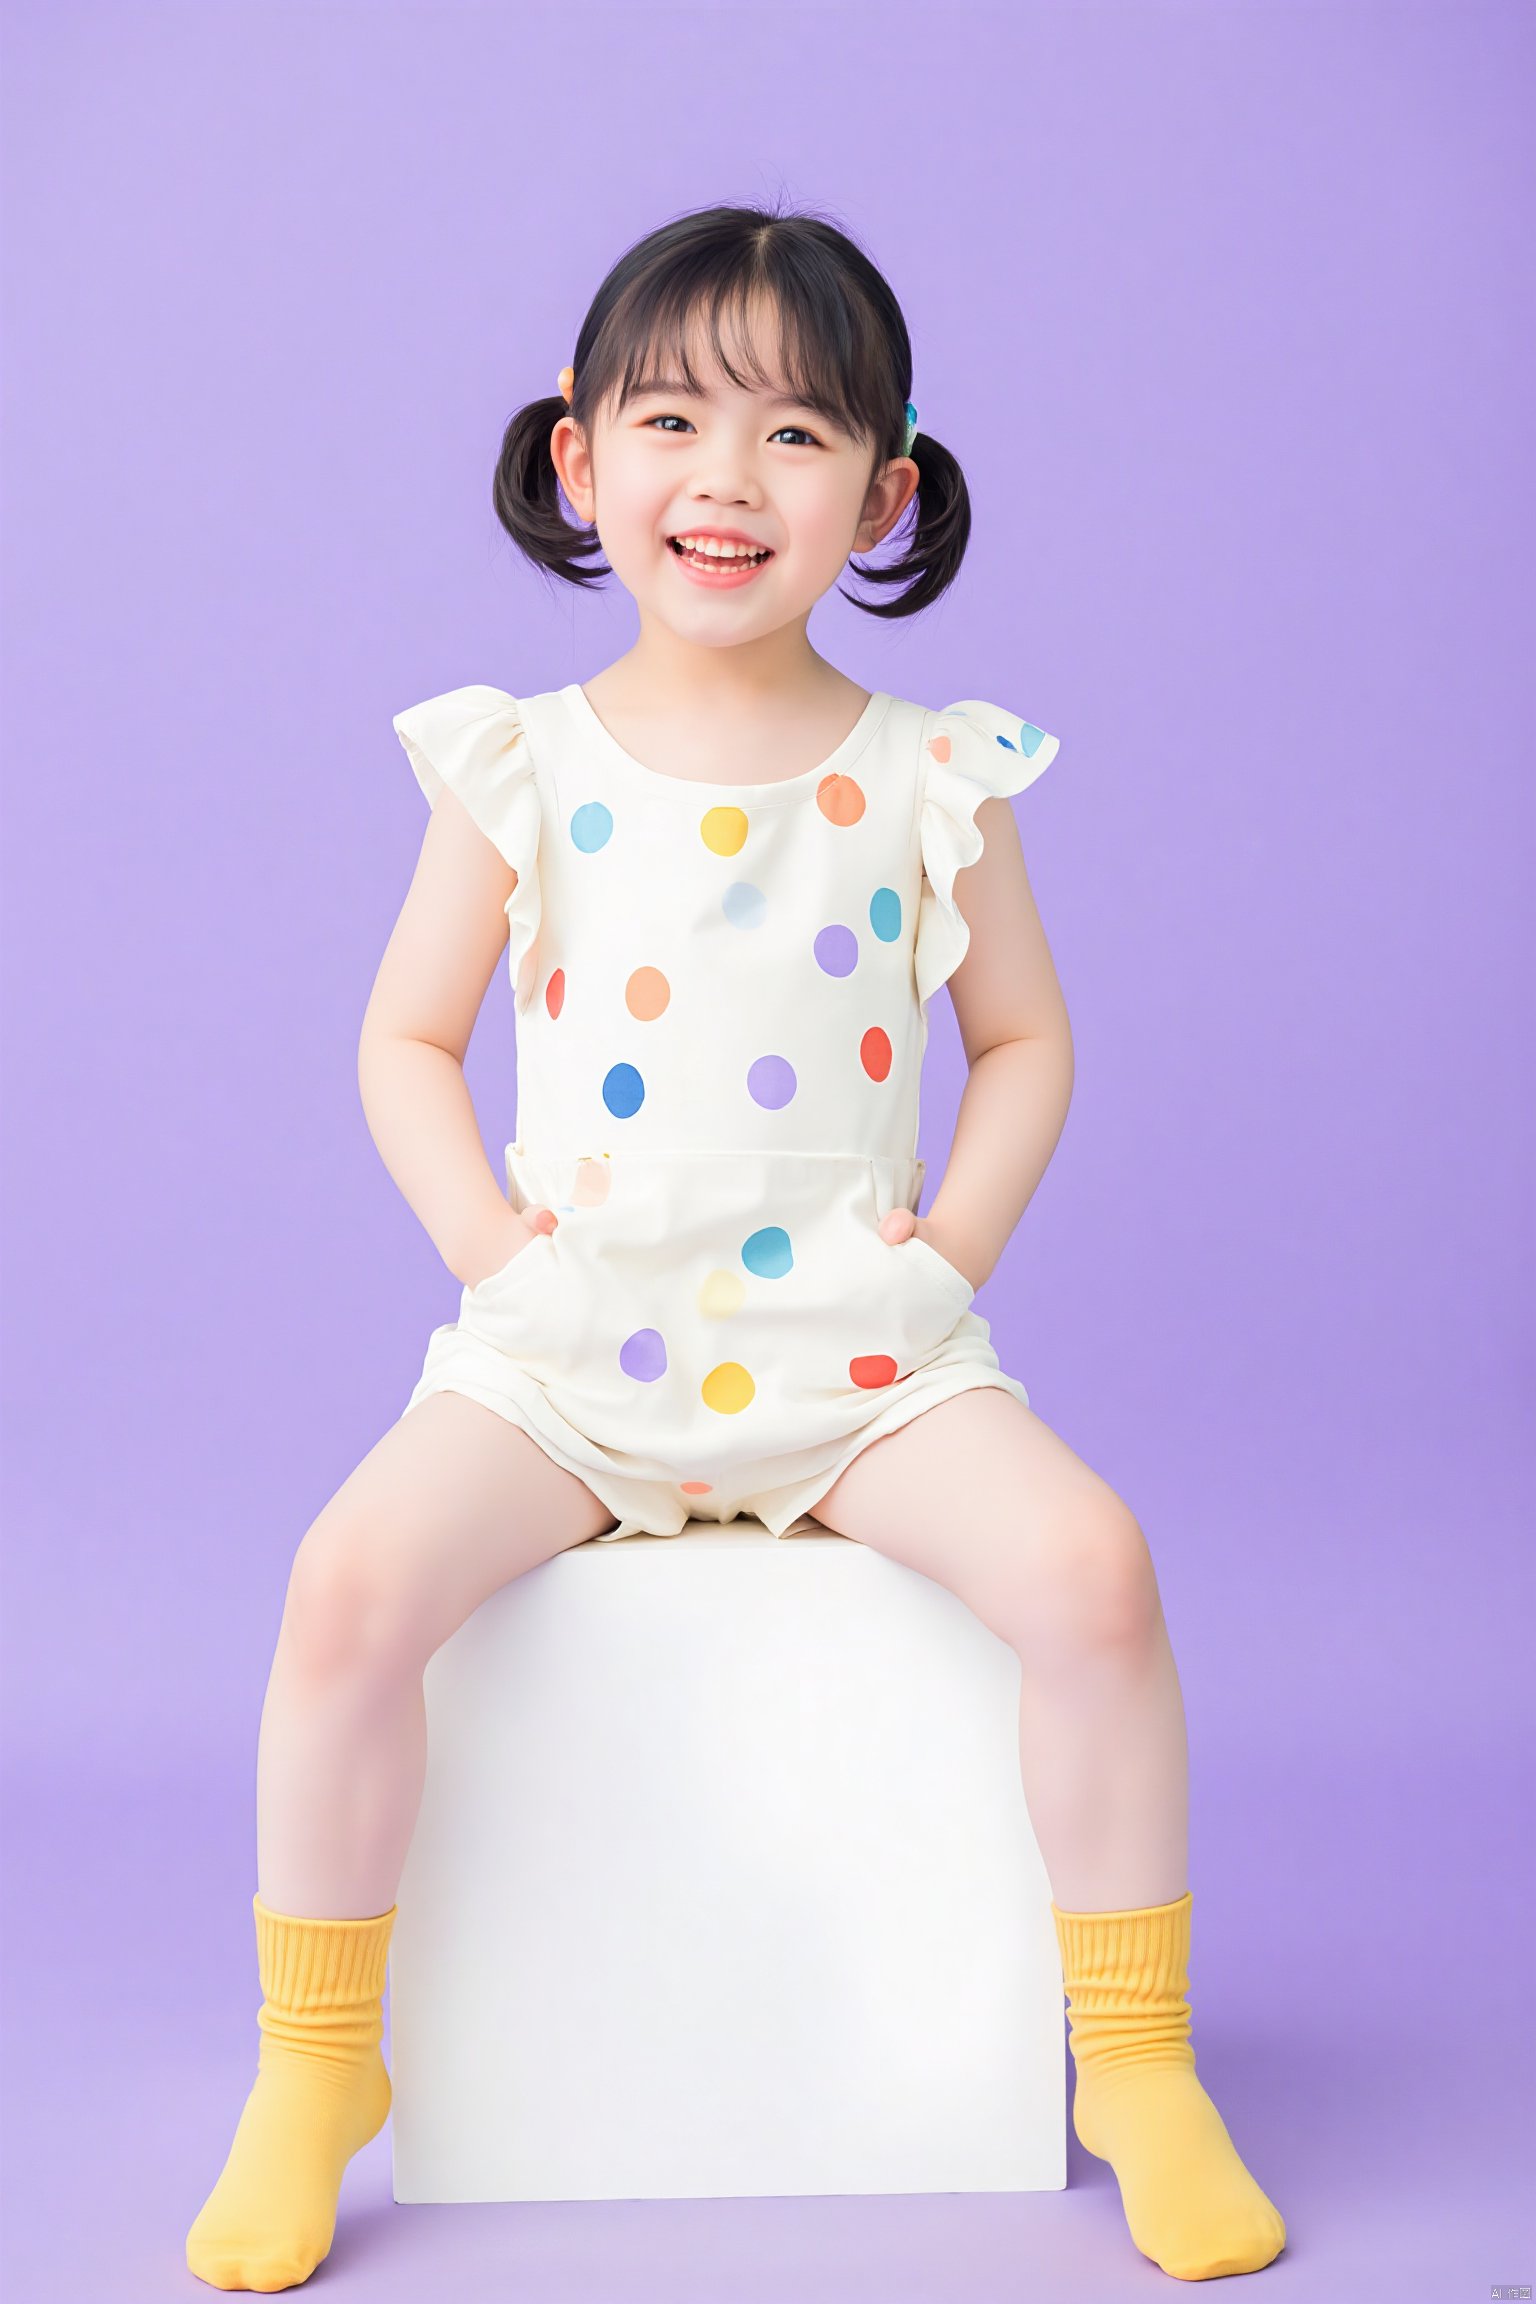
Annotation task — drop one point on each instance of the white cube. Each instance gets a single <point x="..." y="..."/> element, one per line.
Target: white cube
<point x="724" y="1884"/>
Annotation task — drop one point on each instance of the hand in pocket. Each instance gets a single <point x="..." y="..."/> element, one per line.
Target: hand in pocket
<point x="517" y="1232"/>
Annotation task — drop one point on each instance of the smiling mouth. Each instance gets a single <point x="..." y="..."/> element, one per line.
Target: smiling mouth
<point x="735" y="558"/>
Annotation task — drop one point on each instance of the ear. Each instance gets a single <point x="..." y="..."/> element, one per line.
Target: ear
<point x="888" y="498"/>
<point x="573" y="462"/>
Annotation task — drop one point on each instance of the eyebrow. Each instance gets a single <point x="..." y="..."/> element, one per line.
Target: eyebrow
<point x="649" y="387"/>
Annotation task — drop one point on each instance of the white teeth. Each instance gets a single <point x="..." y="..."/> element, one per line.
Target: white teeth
<point x="711" y="548"/>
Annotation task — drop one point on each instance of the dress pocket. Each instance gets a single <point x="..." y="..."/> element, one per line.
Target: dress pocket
<point x="931" y="1293"/>
<point x="945" y="1274"/>
<point x="489" y="1305"/>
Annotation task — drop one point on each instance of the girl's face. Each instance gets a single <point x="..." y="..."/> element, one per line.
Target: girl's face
<point x="737" y="461"/>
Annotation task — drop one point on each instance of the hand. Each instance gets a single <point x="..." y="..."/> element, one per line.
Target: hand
<point x="498" y="1251"/>
<point x="901" y="1224"/>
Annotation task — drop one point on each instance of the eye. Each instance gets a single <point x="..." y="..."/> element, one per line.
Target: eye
<point x="652" y="421"/>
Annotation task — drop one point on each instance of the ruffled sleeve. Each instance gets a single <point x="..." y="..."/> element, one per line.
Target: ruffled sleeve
<point x="472" y="742"/>
<point x="970" y="751"/>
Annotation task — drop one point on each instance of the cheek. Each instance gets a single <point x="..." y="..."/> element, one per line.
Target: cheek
<point x="823" y="531"/>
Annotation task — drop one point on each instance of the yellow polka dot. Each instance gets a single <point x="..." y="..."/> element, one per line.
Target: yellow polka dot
<point x="722" y="1295"/>
<point x="723" y="830"/>
<point x="728" y="1389"/>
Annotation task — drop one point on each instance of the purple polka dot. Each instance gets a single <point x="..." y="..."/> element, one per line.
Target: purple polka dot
<point x="837" y="951"/>
<point x="643" y="1355"/>
<point x="771" y="1082"/>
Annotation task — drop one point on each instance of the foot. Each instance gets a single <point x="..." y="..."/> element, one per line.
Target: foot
<point x="271" y="2217"/>
<point x="1191" y="2204"/>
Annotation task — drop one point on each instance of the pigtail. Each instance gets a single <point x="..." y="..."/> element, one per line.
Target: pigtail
<point x="526" y="494"/>
<point x="936" y="537"/>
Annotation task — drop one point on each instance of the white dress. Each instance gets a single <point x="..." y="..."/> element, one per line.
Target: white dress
<point x="720" y="995"/>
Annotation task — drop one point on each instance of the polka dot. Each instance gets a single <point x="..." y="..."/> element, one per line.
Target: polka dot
<point x="594" y="1181"/>
<point x="872" y="1370"/>
<point x="722" y="1295"/>
<point x="875" y="1053"/>
<point x="723" y="830"/>
<point x="885" y="914"/>
<point x="623" y="1091"/>
<point x="940" y="747"/>
<point x="591" y="827"/>
<point x="840" y="800"/>
<point x="771" y="1082"/>
<point x="646" y="994"/>
<point x="743" y="905"/>
<point x="768" y="1253"/>
<point x="554" y="992"/>
<point x="837" y="950"/>
<point x="696" y="1487"/>
<point x="643" y="1355"/>
<point x="728" y="1389"/>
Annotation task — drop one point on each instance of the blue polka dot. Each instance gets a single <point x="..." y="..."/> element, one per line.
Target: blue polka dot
<point x="885" y="914"/>
<point x="743" y="905"/>
<point x="836" y="950"/>
<point x="771" y="1082"/>
<point x="623" y="1091"/>
<point x="768" y="1253"/>
<point x="591" y="826"/>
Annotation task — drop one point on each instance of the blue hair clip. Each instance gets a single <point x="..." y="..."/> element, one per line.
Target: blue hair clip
<point x="906" y="446"/>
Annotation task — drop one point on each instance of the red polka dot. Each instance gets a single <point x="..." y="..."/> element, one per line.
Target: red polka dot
<point x="554" y="992"/>
<point x="875" y="1053"/>
<point x="871" y="1370"/>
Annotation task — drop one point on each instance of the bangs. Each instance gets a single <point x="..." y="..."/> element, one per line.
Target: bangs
<point x="804" y="350"/>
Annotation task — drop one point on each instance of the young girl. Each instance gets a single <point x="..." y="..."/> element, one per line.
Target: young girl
<point x="728" y="881"/>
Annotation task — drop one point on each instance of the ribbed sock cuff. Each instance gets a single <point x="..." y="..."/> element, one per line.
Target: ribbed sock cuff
<point x="320" y="1964"/>
<point x="1123" y="1959"/>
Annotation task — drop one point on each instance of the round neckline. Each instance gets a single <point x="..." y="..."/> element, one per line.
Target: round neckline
<point x="772" y="794"/>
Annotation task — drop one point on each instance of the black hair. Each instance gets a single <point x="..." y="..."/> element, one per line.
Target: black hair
<point x="845" y="352"/>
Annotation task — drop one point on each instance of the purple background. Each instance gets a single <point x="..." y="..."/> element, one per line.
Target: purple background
<point x="1226" y="313"/>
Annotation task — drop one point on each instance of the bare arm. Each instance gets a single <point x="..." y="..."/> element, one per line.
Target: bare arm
<point x="431" y="983"/>
<point x="1018" y="1042"/>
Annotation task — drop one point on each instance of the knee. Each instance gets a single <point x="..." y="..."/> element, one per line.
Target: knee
<point x="344" y="1616"/>
<point x="1096" y="1588"/>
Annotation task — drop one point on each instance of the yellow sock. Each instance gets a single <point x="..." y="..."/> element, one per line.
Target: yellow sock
<point x="1191" y="2204"/>
<point x="321" y="2093"/>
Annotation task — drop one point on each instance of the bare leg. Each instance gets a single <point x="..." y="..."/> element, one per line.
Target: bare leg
<point x="983" y="1497"/>
<point x="453" y="1503"/>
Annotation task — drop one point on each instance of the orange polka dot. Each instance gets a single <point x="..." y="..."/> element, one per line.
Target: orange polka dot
<point x="594" y="1181"/>
<point x="875" y="1053"/>
<point x="940" y="747"/>
<point x="646" y="994"/>
<point x="554" y="992"/>
<point x="840" y="800"/>
<point x="697" y="1487"/>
